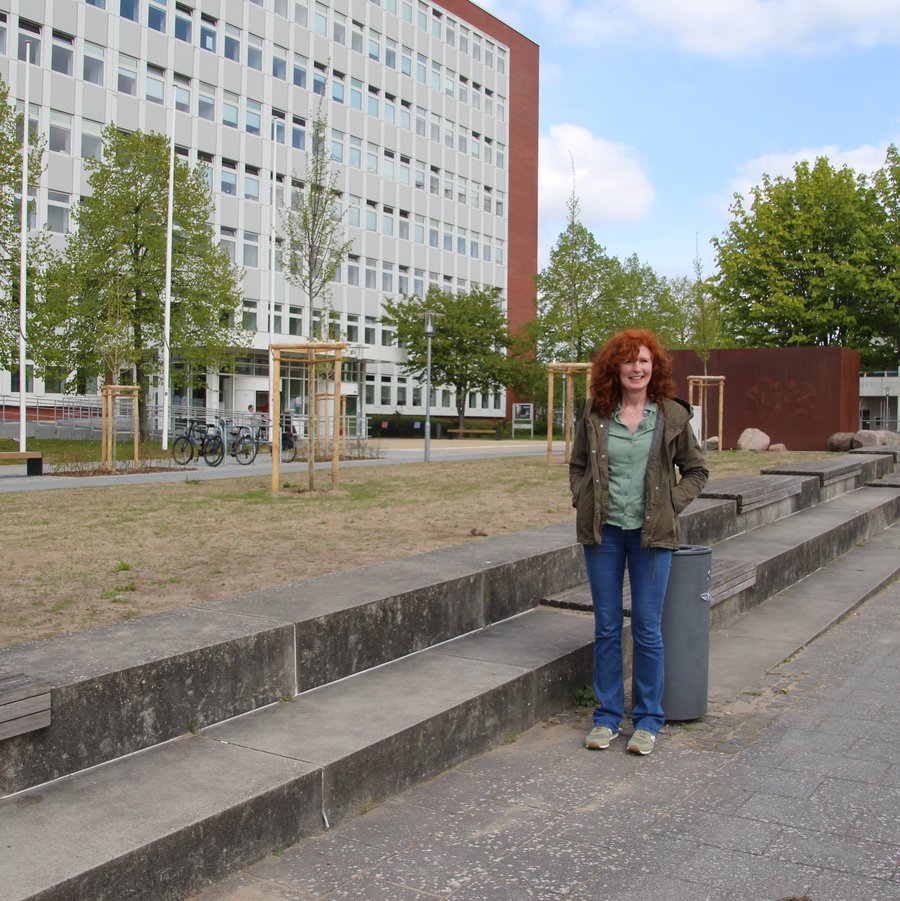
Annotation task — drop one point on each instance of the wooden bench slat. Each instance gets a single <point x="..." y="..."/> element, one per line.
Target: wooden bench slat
<point x="25" y="724"/>
<point x="16" y="686"/>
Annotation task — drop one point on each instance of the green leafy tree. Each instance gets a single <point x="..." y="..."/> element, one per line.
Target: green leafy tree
<point x="577" y="305"/>
<point x="811" y="261"/>
<point x="105" y="298"/>
<point x="468" y="347"/>
<point x="11" y="144"/>
<point x="312" y="229"/>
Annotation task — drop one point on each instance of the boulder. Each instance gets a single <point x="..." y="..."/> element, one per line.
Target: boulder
<point x="711" y="443"/>
<point x="865" y="438"/>
<point x="886" y="437"/>
<point x="840" y="441"/>
<point x="753" y="440"/>
<point x="777" y="447"/>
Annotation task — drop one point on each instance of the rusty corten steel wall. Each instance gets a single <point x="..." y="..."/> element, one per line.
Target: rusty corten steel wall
<point x="798" y="396"/>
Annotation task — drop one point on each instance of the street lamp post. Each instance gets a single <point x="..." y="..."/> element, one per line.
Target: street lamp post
<point x="430" y="316"/>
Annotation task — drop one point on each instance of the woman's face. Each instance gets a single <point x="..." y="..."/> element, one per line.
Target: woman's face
<point x="635" y="374"/>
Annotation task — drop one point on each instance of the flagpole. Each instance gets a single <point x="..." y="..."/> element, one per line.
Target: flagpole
<point x="23" y="259"/>
<point x="167" y="324"/>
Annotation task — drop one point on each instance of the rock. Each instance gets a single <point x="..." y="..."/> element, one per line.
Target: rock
<point x="885" y="437"/>
<point x="865" y="438"/>
<point x="753" y="440"/>
<point x="840" y="441"/>
<point x="711" y="443"/>
<point x="777" y="447"/>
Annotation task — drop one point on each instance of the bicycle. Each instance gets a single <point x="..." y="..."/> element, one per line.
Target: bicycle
<point x="199" y="440"/>
<point x="245" y="447"/>
<point x="288" y="451"/>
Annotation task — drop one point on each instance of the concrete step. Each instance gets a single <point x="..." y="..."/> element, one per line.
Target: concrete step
<point x="165" y="822"/>
<point x="162" y="822"/>
<point x="159" y="824"/>
<point x="124" y="688"/>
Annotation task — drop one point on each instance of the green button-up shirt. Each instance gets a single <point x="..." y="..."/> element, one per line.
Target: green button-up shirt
<point x="628" y="455"/>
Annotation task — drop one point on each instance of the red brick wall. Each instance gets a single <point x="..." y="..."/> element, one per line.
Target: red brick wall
<point x="798" y="396"/>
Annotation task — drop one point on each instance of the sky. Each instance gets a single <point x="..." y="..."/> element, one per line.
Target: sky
<point x="658" y="111"/>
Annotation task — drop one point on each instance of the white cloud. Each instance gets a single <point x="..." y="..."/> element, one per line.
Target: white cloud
<point x="718" y="28"/>
<point x="865" y="159"/>
<point x="608" y="180"/>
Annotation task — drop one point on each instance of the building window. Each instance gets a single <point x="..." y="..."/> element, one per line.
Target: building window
<point x="232" y="45"/>
<point x="319" y="79"/>
<point x="227" y="241"/>
<point x="337" y="87"/>
<point x="251" y="183"/>
<point x="182" y="93"/>
<point x="255" y="52"/>
<point x="129" y="9"/>
<point x="184" y="25"/>
<point x="390" y="53"/>
<point x="251" y="315"/>
<point x="156" y="15"/>
<point x="29" y="42"/>
<point x="254" y="117"/>
<point x="92" y="67"/>
<point x="298" y="133"/>
<point x="228" y="183"/>
<point x="279" y="63"/>
<point x="374" y="46"/>
<point x="338" y="27"/>
<point x="206" y="102"/>
<point x="62" y="53"/>
<point x="60" y="132"/>
<point x="301" y="13"/>
<point x="2" y="34"/>
<point x="208" y="28"/>
<point x="58" y="211"/>
<point x="372" y="103"/>
<point x="320" y="20"/>
<point x="356" y="87"/>
<point x="91" y="139"/>
<point x="156" y="84"/>
<point x="356" y="36"/>
<point x="127" y="83"/>
<point x="300" y="63"/>
<point x="278" y="127"/>
<point x="353" y="270"/>
<point x="230" y="109"/>
<point x="100" y="4"/>
<point x="337" y="145"/>
<point x="251" y="250"/>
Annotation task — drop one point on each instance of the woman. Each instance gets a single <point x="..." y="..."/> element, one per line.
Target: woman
<point x="627" y="498"/>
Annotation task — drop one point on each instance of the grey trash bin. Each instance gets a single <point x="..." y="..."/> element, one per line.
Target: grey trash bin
<point x="685" y="633"/>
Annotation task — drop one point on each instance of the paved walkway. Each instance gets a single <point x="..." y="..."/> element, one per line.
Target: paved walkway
<point x="791" y="790"/>
<point x="387" y="451"/>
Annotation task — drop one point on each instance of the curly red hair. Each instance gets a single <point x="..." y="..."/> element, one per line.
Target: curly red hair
<point x="623" y="347"/>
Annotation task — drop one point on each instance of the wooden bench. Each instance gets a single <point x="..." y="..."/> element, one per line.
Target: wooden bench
<point x="24" y="705"/>
<point x="496" y="432"/>
<point x="34" y="460"/>
<point x="750" y="492"/>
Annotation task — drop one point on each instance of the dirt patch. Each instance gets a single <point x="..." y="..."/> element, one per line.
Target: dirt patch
<point x="78" y="558"/>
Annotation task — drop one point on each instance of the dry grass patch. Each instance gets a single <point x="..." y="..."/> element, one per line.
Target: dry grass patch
<point x="82" y="557"/>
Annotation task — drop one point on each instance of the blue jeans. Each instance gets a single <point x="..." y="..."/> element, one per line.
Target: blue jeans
<point x="648" y="573"/>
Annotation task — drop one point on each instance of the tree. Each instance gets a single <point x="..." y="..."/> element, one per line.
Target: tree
<point x="311" y="228"/>
<point x="576" y="308"/>
<point x="811" y="262"/>
<point x="11" y="143"/>
<point x="105" y="303"/>
<point x="468" y="347"/>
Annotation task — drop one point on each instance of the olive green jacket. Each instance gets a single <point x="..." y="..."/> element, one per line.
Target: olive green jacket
<point x="674" y="445"/>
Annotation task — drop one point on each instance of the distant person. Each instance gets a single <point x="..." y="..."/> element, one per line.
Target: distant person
<point x="255" y="420"/>
<point x="628" y="444"/>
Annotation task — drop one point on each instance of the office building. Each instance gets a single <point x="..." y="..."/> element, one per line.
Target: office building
<point x="432" y="129"/>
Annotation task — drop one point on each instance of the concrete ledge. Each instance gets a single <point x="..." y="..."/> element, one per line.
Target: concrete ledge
<point x="892" y="450"/>
<point x="164" y="823"/>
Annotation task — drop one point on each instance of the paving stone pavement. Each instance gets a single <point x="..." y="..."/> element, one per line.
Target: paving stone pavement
<point x="790" y="791"/>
